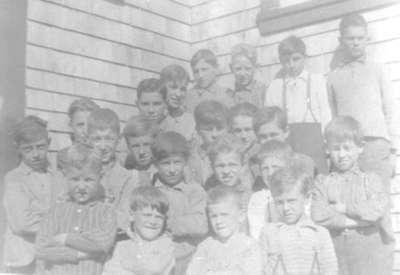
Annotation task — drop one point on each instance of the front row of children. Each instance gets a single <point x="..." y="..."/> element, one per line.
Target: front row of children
<point x="345" y="229"/>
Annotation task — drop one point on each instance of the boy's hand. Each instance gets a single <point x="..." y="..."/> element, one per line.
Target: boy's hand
<point x="340" y="207"/>
<point x="60" y="239"/>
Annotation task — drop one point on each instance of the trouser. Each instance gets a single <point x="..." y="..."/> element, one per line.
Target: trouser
<point x="362" y="252"/>
<point x="377" y="158"/>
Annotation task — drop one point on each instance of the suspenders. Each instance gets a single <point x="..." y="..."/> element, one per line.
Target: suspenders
<point x="315" y="266"/>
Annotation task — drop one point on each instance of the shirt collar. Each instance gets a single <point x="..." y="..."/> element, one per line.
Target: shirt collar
<point x="302" y="76"/>
<point x="248" y="88"/>
<point x="178" y="187"/>
<point x="355" y="170"/>
<point x="211" y="89"/>
<point x="304" y="222"/>
<point x="26" y="170"/>
<point x="347" y="60"/>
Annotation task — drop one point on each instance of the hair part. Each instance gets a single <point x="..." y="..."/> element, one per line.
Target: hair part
<point x="274" y="149"/>
<point x="138" y="126"/>
<point x="204" y="54"/>
<point x="344" y="128"/>
<point x="242" y="109"/>
<point x="82" y="105"/>
<point x="169" y="144"/>
<point x="30" y="129"/>
<point x="150" y="85"/>
<point x="149" y="196"/>
<point x="103" y="119"/>
<point x="223" y="193"/>
<point x="81" y="156"/>
<point x="226" y="143"/>
<point x="271" y="114"/>
<point x="174" y="73"/>
<point x="352" y="20"/>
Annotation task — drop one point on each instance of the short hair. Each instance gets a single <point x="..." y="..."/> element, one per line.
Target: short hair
<point x="169" y="144"/>
<point x="271" y="114"/>
<point x="246" y="50"/>
<point x="81" y="156"/>
<point x="343" y="128"/>
<point x="226" y="143"/>
<point x="274" y="148"/>
<point x="210" y="112"/>
<point x="291" y="45"/>
<point x="149" y="196"/>
<point x="242" y="109"/>
<point x="103" y="119"/>
<point x="174" y="73"/>
<point x="204" y="54"/>
<point x="286" y="178"/>
<point x="150" y="85"/>
<point x="352" y="20"/>
<point x="222" y="193"/>
<point x="138" y="126"/>
<point x="30" y="129"/>
<point x="82" y="105"/>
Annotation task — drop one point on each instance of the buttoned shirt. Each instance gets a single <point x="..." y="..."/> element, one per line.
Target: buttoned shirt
<point x="215" y="92"/>
<point x="302" y="249"/>
<point x="28" y="195"/>
<point x="361" y="89"/>
<point x="362" y="194"/>
<point x="296" y="99"/>
<point x="239" y="255"/>
<point x="137" y="256"/>
<point x="183" y="124"/>
<point x="187" y="219"/>
<point x="92" y="227"/>
<point x="253" y="93"/>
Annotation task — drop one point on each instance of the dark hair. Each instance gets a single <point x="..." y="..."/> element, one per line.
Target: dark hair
<point x="350" y="21"/>
<point x="204" y="54"/>
<point x="138" y="126"/>
<point x="246" y="50"/>
<point x="149" y="196"/>
<point x="175" y="73"/>
<point x="170" y="143"/>
<point x="271" y="114"/>
<point x="344" y="128"/>
<point x="226" y="143"/>
<point x="210" y="112"/>
<point x="291" y="45"/>
<point x="221" y="193"/>
<point x="150" y="85"/>
<point x="80" y="156"/>
<point x="30" y="129"/>
<point x="242" y="109"/>
<point x="82" y="104"/>
<point x="103" y="119"/>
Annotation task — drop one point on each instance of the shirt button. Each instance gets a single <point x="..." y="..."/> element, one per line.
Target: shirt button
<point x="76" y="228"/>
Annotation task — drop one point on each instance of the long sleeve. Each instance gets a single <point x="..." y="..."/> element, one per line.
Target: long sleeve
<point x="372" y="207"/>
<point x="193" y="221"/>
<point x="48" y="251"/>
<point x="273" y="96"/>
<point x="326" y="253"/>
<point x="322" y="212"/>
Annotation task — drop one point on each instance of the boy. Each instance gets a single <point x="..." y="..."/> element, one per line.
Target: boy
<point x="243" y="66"/>
<point x="139" y="133"/>
<point x="241" y="120"/>
<point x="271" y="124"/>
<point x="353" y="205"/>
<point x="76" y="235"/>
<point x="78" y="113"/>
<point x="117" y="182"/>
<point x="357" y="77"/>
<point x="149" y="250"/>
<point x="205" y="70"/>
<point x="151" y="99"/>
<point x="187" y="218"/>
<point x="227" y="251"/>
<point x="175" y="79"/>
<point x="30" y="190"/>
<point x="272" y="156"/>
<point x="295" y="245"/>
<point x="211" y="122"/>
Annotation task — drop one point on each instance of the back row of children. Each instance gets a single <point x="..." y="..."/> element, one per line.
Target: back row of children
<point x="215" y="182"/>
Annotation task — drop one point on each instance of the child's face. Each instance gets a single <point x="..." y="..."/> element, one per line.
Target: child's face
<point x="243" y="70"/>
<point x="34" y="154"/>
<point x="344" y="155"/>
<point x="176" y="93"/>
<point x="269" y="166"/>
<point x="210" y="133"/>
<point x="204" y="74"/>
<point x="227" y="167"/>
<point x="293" y="64"/>
<point x="83" y="184"/>
<point x="140" y="148"/>
<point x="242" y="127"/>
<point x="271" y="131"/>
<point x="354" y="40"/>
<point x="225" y="218"/>
<point x="290" y="204"/>
<point x="78" y="126"/>
<point x="105" y="143"/>
<point x="152" y="106"/>
<point x="148" y="223"/>
<point x="170" y="169"/>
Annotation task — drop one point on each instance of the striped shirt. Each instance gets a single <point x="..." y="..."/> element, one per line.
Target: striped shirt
<point x="90" y="228"/>
<point x="239" y="255"/>
<point x="299" y="249"/>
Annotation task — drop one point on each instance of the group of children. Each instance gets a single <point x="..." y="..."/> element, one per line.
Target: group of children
<point x="216" y="180"/>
